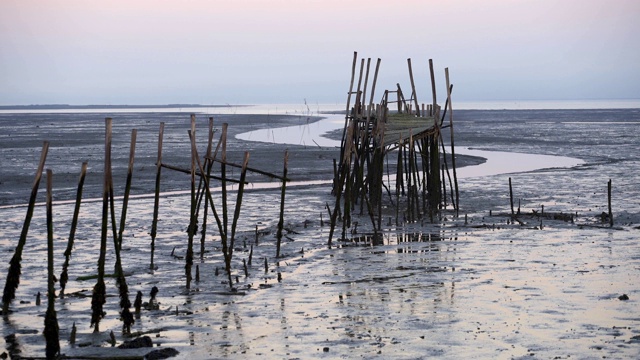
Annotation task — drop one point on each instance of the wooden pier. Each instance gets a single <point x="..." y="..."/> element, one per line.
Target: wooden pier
<point x="395" y="130"/>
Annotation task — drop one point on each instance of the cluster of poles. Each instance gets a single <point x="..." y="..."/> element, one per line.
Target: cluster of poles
<point x="201" y="203"/>
<point x="372" y="134"/>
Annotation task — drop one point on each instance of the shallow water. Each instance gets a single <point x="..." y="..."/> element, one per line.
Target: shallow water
<point x="497" y="162"/>
<point x="481" y="289"/>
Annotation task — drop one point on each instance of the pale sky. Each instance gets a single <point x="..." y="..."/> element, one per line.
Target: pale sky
<point x="285" y="51"/>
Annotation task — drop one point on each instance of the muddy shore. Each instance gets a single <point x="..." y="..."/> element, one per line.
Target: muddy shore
<point x="487" y="288"/>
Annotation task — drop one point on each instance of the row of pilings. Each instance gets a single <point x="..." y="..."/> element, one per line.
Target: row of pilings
<point x="392" y="157"/>
<point x="202" y="204"/>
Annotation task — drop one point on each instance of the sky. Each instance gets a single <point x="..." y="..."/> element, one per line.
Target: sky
<point x="289" y="51"/>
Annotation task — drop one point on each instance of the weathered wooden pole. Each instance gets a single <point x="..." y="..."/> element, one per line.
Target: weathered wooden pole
<point x="156" y="202"/>
<point x="64" y="277"/>
<point x="223" y="235"/>
<point x="121" y="282"/>
<point x="413" y="88"/>
<point x="98" y="298"/>
<point x="236" y="212"/>
<point x="226" y="248"/>
<point x="410" y="182"/>
<point x="373" y="86"/>
<point x="208" y="166"/>
<point x="453" y="152"/>
<point x="349" y="157"/>
<point x="347" y="111"/>
<point x="192" y="213"/>
<point x="609" y="202"/>
<point x="51" y="330"/>
<point x="433" y="86"/>
<point x="346" y="155"/>
<point x="511" y="198"/>
<point x="364" y="89"/>
<point x="282" y="194"/>
<point x="358" y="103"/>
<point x="127" y="188"/>
<point x="399" y="178"/>
<point x="434" y="184"/>
<point x="13" y="276"/>
<point x="444" y="187"/>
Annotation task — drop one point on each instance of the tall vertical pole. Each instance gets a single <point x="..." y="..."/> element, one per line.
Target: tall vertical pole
<point x="282" y="194"/>
<point x="51" y="330"/>
<point x="13" y="277"/>
<point x="453" y="152"/>
<point x="413" y="88"/>
<point x="156" y="202"/>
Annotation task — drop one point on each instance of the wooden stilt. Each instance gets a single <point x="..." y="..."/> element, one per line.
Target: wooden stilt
<point x="156" y="202"/>
<point x="348" y="109"/>
<point x="609" y="203"/>
<point x="51" y="330"/>
<point x="511" y="199"/>
<point x="64" y="277"/>
<point x="127" y="189"/>
<point x="453" y="153"/>
<point x="236" y="213"/>
<point x="13" y="277"/>
<point x="99" y="290"/>
<point x="414" y="96"/>
<point x="282" y="194"/>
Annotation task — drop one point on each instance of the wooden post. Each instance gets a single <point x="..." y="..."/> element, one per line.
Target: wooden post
<point x="433" y="86"/>
<point x="99" y="291"/>
<point x="125" y="304"/>
<point x="609" y="202"/>
<point x="347" y="111"/>
<point x="192" y="215"/>
<point x="208" y="166"/>
<point x="127" y="189"/>
<point x="453" y="153"/>
<point x="51" y="332"/>
<point x="223" y="172"/>
<point x="410" y="183"/>
<point x="444" y="188"/>
<point x="223" y="234"/>
<point x="364" y="90"/>
<point x="399" y="177"/>
<point x="358" y="103"/>
<point x="13" y="277"/>
<point x="373" y="86"/>
<point x="413" y="88"/>
<point x="236" y="213"/>
<point x="400" y="98"/>
<point x="341" y="179"/>
<point x="511" y="198"/>
<point x="64" y="277"/>
<point x="156" y="203"/>
<point x="282" y="194"/>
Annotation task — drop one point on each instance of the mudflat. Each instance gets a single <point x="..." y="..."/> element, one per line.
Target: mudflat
<point x="477" y="285"/>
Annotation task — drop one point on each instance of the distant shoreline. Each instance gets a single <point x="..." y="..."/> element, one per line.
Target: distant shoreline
<point x="72" y="107"/>
<point x="587" y="104"/>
